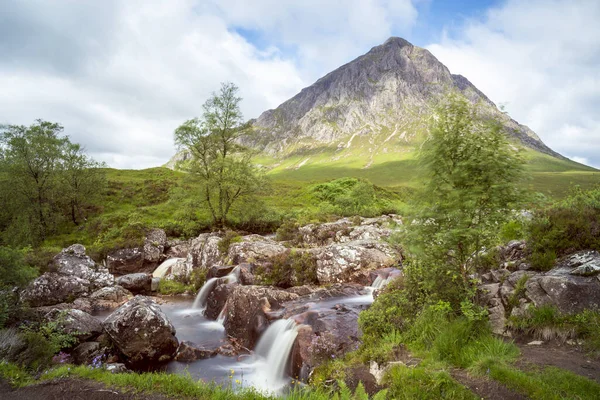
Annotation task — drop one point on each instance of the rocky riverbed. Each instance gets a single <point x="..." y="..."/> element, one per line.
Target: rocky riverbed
<point x="240" y="330"/>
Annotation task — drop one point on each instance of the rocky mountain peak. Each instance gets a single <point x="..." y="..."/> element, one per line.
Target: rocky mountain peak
<point x="371" y="106"/>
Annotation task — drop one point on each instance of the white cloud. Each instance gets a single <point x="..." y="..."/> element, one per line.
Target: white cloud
<point x="541" y="59"/>
<point x="157" y="64"/>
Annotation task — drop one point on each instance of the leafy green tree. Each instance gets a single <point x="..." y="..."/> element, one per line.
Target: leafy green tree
<point x="30" y="163"/>
<point x="471" y="171"/>
<point x="81" y="180"/>
<point x="44" y="179"/>
<point x="221" y="164"/>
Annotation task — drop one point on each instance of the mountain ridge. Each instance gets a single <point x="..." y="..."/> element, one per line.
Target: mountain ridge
<point x="368" y="97"/>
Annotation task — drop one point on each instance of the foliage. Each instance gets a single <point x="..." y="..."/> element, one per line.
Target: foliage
<point x="351" y="196"/>
<point x="222" y="167"/>
<point x="14" y="271"/>
<point x="50" y="180"/>
<point x="227" y="240"/>
<point x="470" y="171"/>
<point x="547" y="323"/>
<point x="293" y="268"/>
<point x="288" y="231"/>
<point x="421" y="383"/>
<point x="170" y="287"/>
<point x="569" y="225"/>
<point x="43" y="341"/>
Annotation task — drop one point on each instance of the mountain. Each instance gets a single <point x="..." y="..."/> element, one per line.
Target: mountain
<point x="370" y="109"/>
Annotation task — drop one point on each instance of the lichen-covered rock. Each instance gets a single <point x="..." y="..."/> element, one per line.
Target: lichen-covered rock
<point x="204" y="251"/>
<point x="255" y="249"/>
<point x="154" y="247"/>
<point x="180" y="271"/>
<point x="563" y="287"/>
<point x="141" y="331"/>
<point x="349" y="230"/>
<point x="188" y="352"/>
<point x="74" y="275"/>
<point x="125" y="261"/>
<point x="110" y="297"/>
<point x="247" y="308"/>
<point x="341" y="262"/>
<point x="76" y="322"/>
<point x="136" y="283"/>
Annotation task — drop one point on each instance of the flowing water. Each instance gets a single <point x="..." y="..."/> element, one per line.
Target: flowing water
<point x="268" y="368"/>
<point x="162" y="269"/>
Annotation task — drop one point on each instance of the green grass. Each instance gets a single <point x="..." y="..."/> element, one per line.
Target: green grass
<point x="172" y="385"/>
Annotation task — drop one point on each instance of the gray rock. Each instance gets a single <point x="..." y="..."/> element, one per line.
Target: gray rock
<point x="76" y="322"/>
<point x="136" y="283"/>
<point x="116" y="368"/>
<point x="125" y="261"/>
<point x="247" y="308"/>
<point x="255" y="249"/>
<point x="74" y="275"/>
<point x="110" y="297"/>
<point x="341" y="262"/>
<point x="86" y="352"/>
<point x="204" y="251"/>
<point x="188" y="352"/>
<point x="154" y="247"/>
<point x="141" y="331"/>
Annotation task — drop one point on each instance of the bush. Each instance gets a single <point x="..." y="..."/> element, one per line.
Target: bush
<point x="13" y="269"/>
<point x="293" y="268"/>
<point x="288" y="231"/>
<point x="568" y="226"/>
<point x="227" y="240"/>
<point x="43" y="341"/>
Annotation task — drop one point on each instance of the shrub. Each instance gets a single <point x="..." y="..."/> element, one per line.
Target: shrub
<point x="288" y="231"/>
<point x="13" y="269"/>
<point x="293" y="268"/>
<point x="43" y="341"/>
<point x="565" y="227"/>
<point x="227" y="240"/>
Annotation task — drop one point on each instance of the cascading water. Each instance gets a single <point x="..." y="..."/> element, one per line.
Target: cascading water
<point x="222" y="315"/>
<point x="380" y="282"/>
<point x="162" y="269"/>
<point x="273" y="351"/>
<point x="210" y="284"/>
<point x="205" y="290"/>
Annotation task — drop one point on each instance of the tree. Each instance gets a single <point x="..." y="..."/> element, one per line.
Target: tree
<point x="470" y="188"/>
<point x="30" y="161"/>
<point x="222" y="165"/>
<point x="81" y="179"/>
<point x="42" y="175"/>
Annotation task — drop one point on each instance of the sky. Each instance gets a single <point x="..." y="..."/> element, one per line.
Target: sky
<point x="120" y="76"/>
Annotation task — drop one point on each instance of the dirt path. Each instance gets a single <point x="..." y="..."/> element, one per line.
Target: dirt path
<point x="72" y="389"/>
<point x="487" y="389"/>
<point x="570" y="358"/>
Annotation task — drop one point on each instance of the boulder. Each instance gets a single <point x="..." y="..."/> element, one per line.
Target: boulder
<point x="255" y="249"/>
<point x="76" y="322"/>
<point x="343" y="262"/>
<point x="136" y="283"/>
<point x="204" y="251"/>
<point x="325" y="234"/>
<point x="217" y="298"/>
<point x="349" y="230"/>
<point x="219" y="271"/>
<point x="177" y="248"/>
<point x="110" y="297"/>
<point x="564" y="287"/>
<point x="141" y="331"/>
<point x="154" y="246"/>
<point x="188" y="352"/>
<point x="180" y="271"/>
<point x="125" y="261"/>
<point x="247" y="308"/>
<point x="86" y="352"/>
<point x="73" y="275"/>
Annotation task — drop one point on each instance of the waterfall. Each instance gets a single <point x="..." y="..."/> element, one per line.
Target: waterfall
<point x="162" y="269"/>
<point x="210" y="284"/>
<point x="205" y="290"/>
<point x="380" y="282"/>
<point x="222" y="315"/>
<point x="274" y="349"/>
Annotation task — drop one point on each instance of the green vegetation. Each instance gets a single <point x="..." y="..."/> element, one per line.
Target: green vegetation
<point x="565" y="227"/>
<point x="45" y="181"/>
<point x="173" y="385"/>
<point x="293" y="268"/>
<point x="223" y="168"/>
<point x="547" y="323"/>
